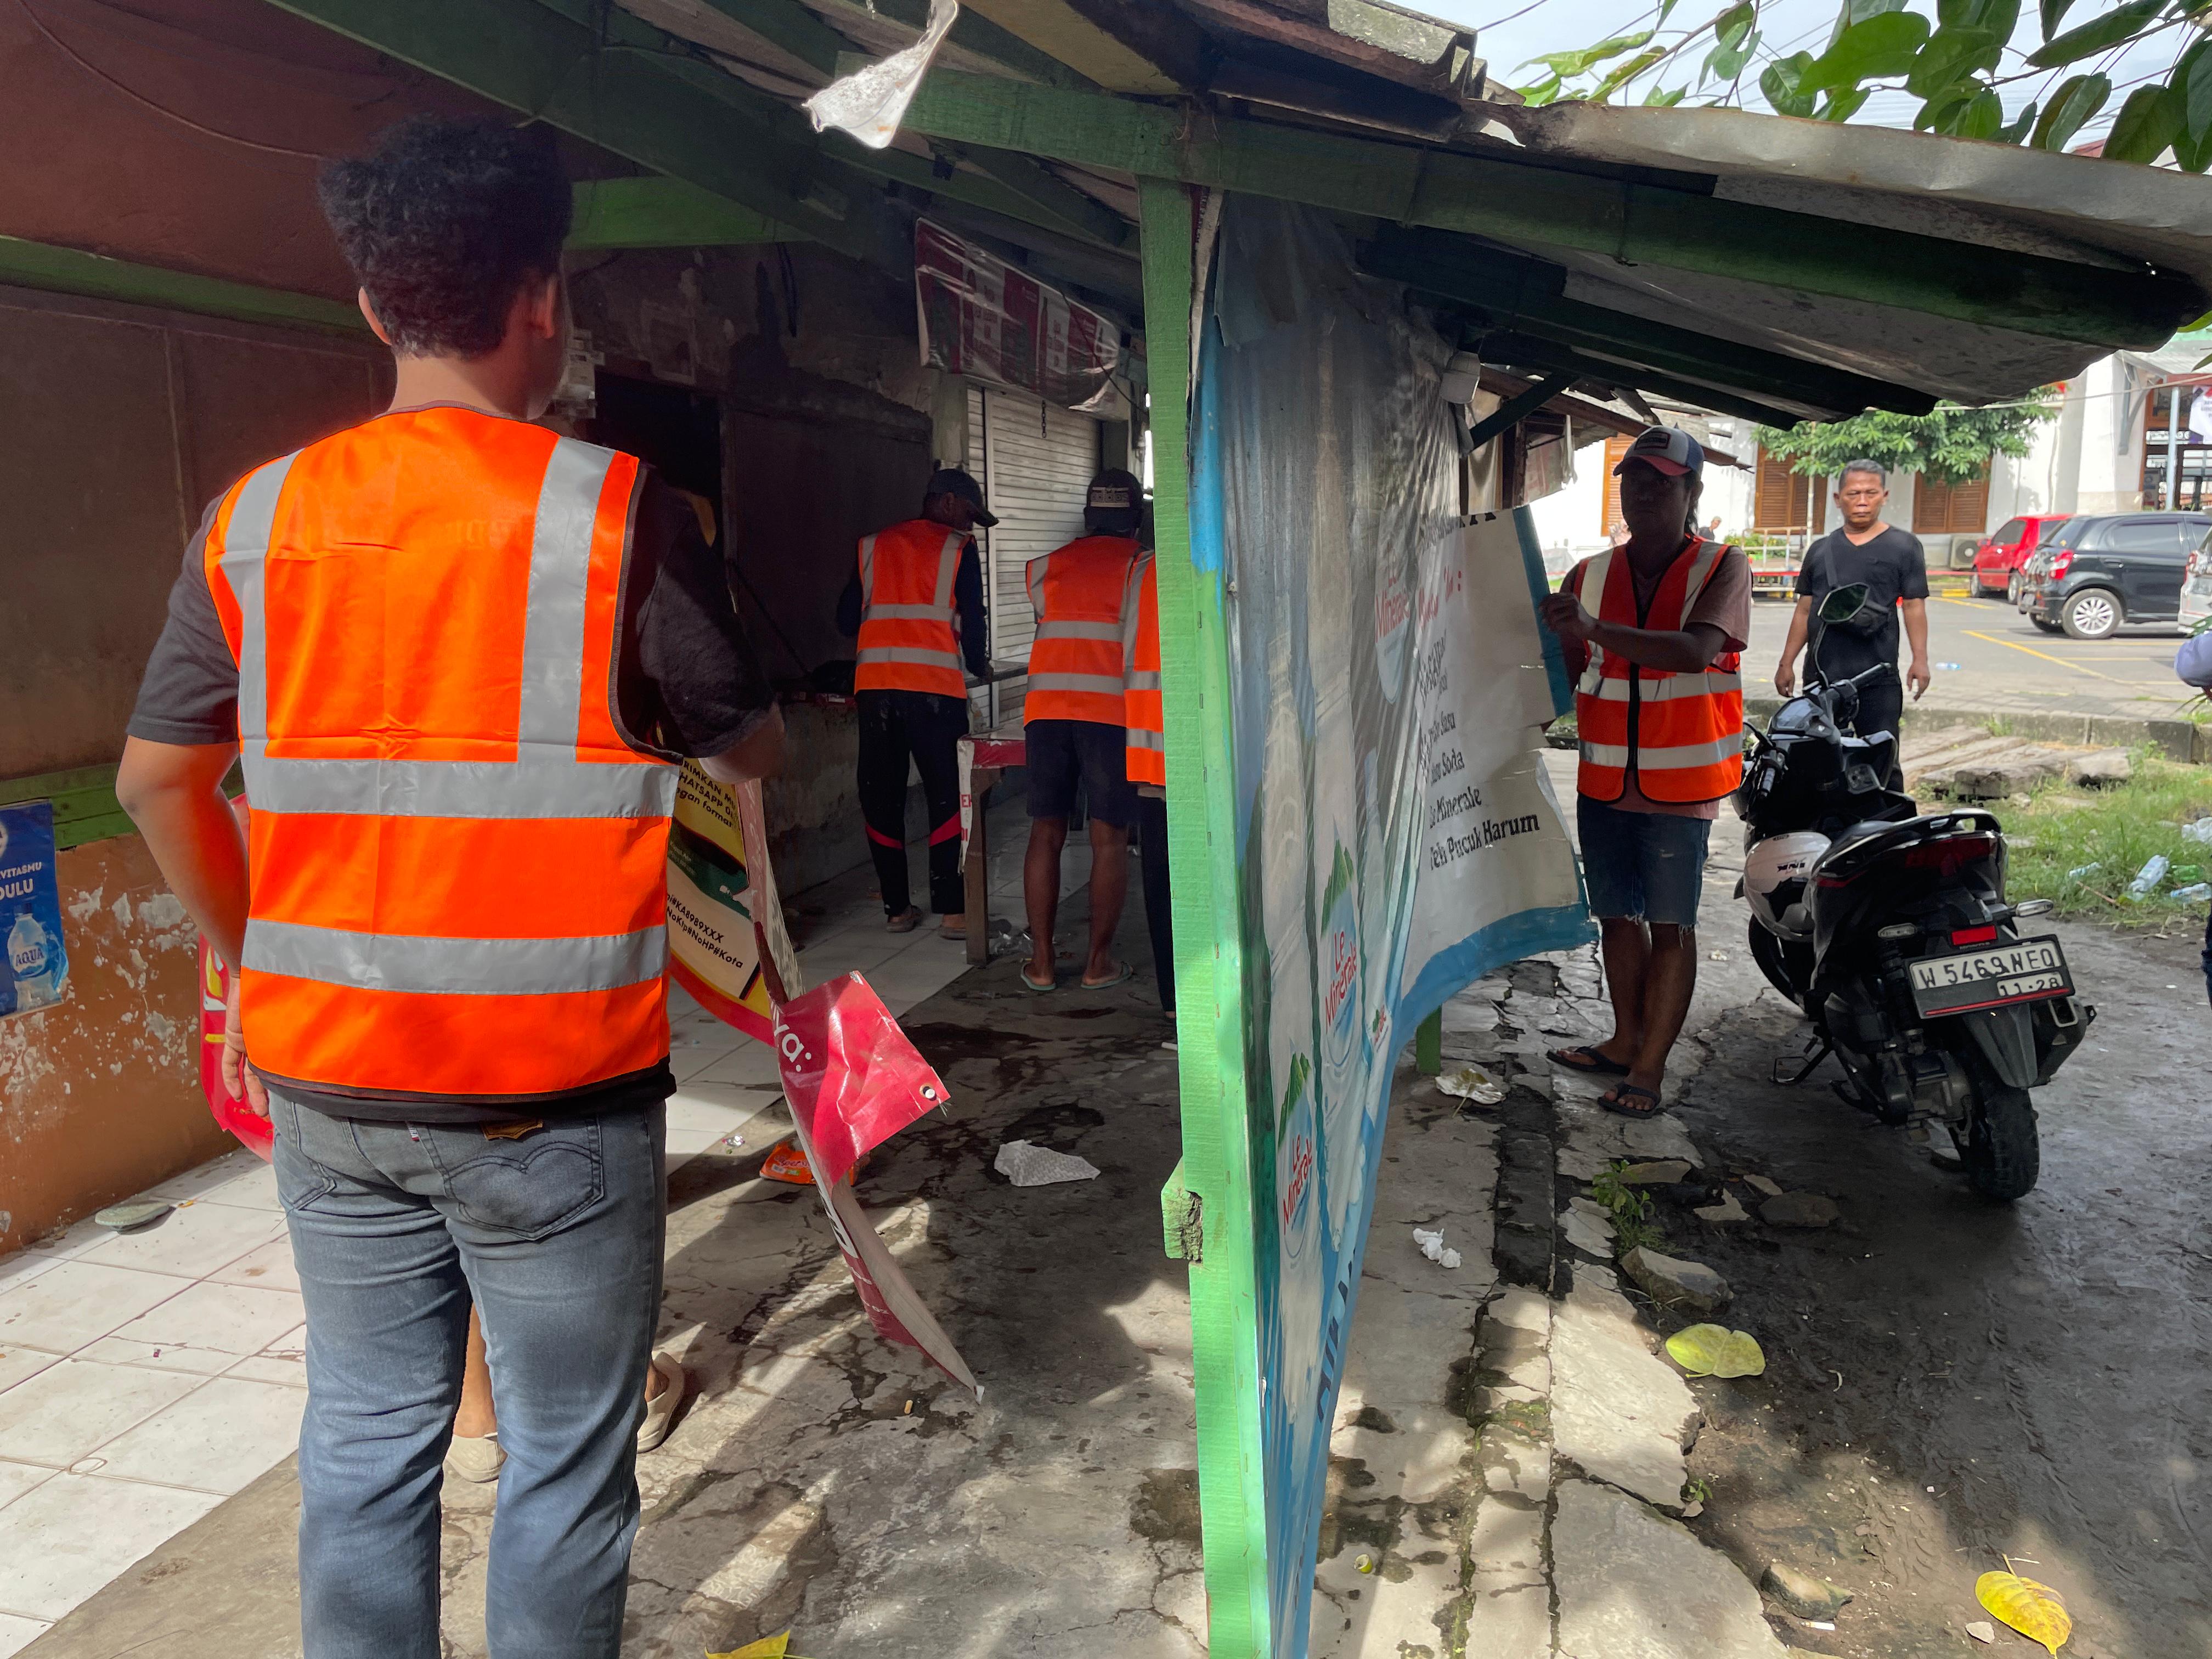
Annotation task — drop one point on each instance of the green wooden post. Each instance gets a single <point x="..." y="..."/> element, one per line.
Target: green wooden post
<point x="1210" y="1203"/>
<point x="1429" y="1045"/>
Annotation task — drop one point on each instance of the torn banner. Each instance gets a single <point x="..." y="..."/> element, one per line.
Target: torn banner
<point x="853" y="1080"/>
<point x="723" y="911"/>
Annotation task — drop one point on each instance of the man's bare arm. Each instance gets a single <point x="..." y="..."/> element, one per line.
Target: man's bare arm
<point x="758" y="754"/>
<point x="1801" y="624"/>
<point x="1916" y="633"/>
<point x="174" y="793"/>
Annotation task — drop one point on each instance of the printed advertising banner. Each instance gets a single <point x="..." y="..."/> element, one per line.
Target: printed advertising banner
<point x="1388" y="680"/>
<point x="722" y="903"/>
<point x="36" y="974"/>
<point x="994" y="322"/>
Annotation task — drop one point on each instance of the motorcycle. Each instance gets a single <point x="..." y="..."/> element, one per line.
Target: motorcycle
<point x="1889" y="929"/>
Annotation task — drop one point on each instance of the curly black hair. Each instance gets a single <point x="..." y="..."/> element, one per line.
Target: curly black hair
<point x="443" y="223"/>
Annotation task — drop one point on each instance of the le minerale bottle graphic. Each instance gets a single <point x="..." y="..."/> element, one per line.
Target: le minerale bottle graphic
<point x="30" y="962"/>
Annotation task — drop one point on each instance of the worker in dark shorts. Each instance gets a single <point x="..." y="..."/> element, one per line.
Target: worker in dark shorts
<point x="916" y="601"/>
<point x="1894" y="567"/>
<point x="1073" y="718"/>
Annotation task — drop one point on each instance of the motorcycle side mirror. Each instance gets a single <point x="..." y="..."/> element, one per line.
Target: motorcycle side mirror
<point x="1842" y="602"/>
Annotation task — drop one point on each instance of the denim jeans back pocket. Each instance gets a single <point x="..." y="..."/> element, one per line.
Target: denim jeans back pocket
<point x="524" y="1188"/>
<point x="303" y="1182"/>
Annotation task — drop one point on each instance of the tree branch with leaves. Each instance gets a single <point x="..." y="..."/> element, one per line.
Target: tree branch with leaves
<point x="1949" y="445"/>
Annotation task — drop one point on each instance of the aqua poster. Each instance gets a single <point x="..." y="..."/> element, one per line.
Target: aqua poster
<point x="36" y="974"/>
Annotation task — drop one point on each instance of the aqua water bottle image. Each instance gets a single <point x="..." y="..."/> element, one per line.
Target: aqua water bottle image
<point x="30" y="962"/>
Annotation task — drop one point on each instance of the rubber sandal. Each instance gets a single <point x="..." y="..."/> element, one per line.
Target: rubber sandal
<point x="1037" y="989"/>
<point x="1122" y="974"/>
<point x="474" y="1457"/>
<point x="661" y="1410"/>
<point x="1591" y="1060"/>
<point x="1622" y="1099"/>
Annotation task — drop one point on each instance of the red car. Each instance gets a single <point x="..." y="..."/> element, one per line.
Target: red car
<point x="1998" y="559"/>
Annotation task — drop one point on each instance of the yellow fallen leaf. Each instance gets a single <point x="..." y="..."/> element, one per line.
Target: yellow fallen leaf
<point x="2033" y="1609"/>
<point x="769" y="1647"/>
<point x="1716" y="1350"/>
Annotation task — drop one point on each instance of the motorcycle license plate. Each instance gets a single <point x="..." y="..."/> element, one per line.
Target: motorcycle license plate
<point x="2028" y="970"/>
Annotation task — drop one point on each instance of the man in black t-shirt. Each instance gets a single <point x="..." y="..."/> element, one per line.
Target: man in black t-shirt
<point x="1890" y="564"/>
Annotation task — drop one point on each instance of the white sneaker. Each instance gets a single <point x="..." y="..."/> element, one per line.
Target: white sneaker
<point x="661" y="1410"/>
<point x="476" y="1458"/>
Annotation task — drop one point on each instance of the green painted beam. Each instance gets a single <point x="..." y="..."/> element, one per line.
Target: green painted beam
<point x="1216" y="1172"/>
<point x="1429" y="1045"/>
<point x="662" y="212"/>
<point x="1049" y="194"/>
<point x="975" y="33"/>
<point x="1517" y="292"/>
<point x="1532" y="353"/>
<point x="85" y="807"/>
<point x="1542" y="207"/>
<point x="637" y="100"/>
<point x="1521" y="403"/>
<point x="71" y="270"/>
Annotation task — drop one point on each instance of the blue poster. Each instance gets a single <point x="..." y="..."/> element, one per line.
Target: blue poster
<point x="1397" y="838"/>
<point x="36" y="974"/>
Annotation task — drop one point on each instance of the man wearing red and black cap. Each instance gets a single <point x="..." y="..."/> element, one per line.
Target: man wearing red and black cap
<point x="916" y="603"/>
<point x="1659" y="710"/>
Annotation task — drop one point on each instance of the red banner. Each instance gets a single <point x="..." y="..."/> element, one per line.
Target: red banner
<point x="991" y="321"/>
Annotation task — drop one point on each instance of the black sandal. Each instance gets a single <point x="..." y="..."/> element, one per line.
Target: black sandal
<point x="1617" y="1099"/>
<point x="1591" y="1060"/>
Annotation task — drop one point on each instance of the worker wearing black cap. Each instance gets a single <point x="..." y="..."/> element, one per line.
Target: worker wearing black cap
<point x="916" y="603"/>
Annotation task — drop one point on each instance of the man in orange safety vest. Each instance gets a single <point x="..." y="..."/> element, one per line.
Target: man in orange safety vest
<point x="1147" y="763"/>
<point x="1652" y="629"/>
<point x="916" y="605"/>
<point x="1074" y="725"/>
<point x="461" y="656"/>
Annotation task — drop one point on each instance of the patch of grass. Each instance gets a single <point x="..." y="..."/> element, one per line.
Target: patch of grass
<point x="2116" y="830"/>
<point x="1629" y="1207"/>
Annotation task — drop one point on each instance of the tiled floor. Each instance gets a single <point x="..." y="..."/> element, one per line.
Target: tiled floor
<point x="144" y="1378"/>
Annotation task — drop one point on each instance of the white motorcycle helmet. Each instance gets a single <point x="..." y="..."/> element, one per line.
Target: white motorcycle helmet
<point x="1775" y="873"/>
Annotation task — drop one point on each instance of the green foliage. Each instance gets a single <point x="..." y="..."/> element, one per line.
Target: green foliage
<point x="2082" y="849"/>
<point x="1947" y="53"/>
<point x="1631" y="1206"/>
<point x="1948" y="445"/>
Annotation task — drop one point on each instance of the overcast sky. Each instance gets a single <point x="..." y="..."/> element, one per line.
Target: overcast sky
<point x="1785" y="26"/>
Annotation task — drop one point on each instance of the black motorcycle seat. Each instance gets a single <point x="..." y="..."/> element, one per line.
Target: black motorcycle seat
<point x="1858" y="832"/>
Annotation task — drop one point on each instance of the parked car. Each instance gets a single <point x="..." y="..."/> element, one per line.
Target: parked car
<point x="2196" y="585"/>
<point x="2103" y="572"/>
<point x="2004" y="549"/>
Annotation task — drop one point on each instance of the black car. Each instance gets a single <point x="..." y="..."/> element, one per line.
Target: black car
<point x="2098" y="572"/>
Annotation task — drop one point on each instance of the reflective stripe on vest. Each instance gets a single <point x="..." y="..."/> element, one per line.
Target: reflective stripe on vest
<point x="909" y="625"/>
<point x="1080" y="594"/>
<point x="459" y="863"/>
<point x="1143" y="712"/>
<point x="1682" y="734"/>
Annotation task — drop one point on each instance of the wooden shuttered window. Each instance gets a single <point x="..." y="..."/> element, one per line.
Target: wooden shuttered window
<point x="1615" y="447"/>
<point x="1782" y="500"/>
<point x="1942" y="509"/>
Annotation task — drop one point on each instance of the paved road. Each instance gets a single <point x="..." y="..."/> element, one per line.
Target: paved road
<point x="1987" y="656"/>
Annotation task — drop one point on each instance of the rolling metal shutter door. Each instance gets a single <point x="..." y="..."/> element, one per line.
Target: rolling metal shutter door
<point x="1034" y="460"/>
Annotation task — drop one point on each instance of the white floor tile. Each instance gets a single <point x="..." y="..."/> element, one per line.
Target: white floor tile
<point x="206" y="1329"/>
<point x="73" y="1241"/>
<point x="17" y="1364"/>
<point x="23" y="1267"/>
<point x="63" y="1541"/>
<point x="752" y="1067"/>
<point x="284" y="1360"/>
<point x="67" y="1410"/>
<point x="718" y="1108"/>
<point x="77" y="1303"/>
<point x="215" y="1439"/>
<point x="269" y="1268"/>
<point x="16" y="1478"/>
<point x="193" y="1242"/>
<point x="213" y="1177"/>
<point x="16" y="1634"/>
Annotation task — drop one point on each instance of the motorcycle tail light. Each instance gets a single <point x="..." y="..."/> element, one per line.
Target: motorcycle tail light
<point x="1950" y="853"/>
<point x="1985" y="934"/>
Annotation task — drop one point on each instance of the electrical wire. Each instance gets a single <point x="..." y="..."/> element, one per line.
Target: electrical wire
<point x="164" y="111"/>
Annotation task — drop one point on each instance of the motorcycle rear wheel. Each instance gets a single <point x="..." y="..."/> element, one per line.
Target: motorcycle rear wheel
<point x="1777" y="958"/>
<point x="2002" y="1150"/>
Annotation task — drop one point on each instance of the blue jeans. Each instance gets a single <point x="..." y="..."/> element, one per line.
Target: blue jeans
<point x="1647" y="864"/>
<point x="557" y="1237"/>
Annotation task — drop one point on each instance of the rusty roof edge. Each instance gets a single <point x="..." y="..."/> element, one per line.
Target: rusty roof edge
<point x="2150" y="213"/>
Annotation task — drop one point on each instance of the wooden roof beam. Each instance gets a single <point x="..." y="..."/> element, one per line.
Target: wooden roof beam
<point x="1544" y="355"/>
<point x="1124" y="46"/>
<point x="1535" y="206"/>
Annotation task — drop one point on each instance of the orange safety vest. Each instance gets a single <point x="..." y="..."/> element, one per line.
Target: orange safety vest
<point x="1682" y="734"/>
<point x="1081" y="595"/>
<point x="459" y="864"/>
<point x="909" y="625"/>
<point x="1144" y="714"/>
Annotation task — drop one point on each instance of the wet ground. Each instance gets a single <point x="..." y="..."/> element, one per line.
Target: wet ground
<point x="1949" y="1382"/>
